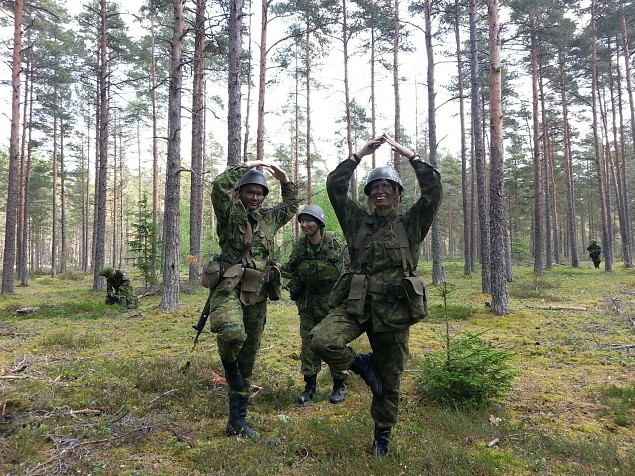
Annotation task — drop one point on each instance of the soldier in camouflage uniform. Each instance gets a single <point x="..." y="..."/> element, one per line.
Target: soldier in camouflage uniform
<point x="316" y="261"/>
<point x="381" y="295"/>
<point x="117" y="285"/>
<point x="594" y="253"/>
<point x="238" y="304"/>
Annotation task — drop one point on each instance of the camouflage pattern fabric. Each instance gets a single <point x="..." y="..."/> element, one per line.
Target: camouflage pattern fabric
<point x="119" y="284"/>
<point x="312" y="276"/>
<point x="384" y="318"/>
<point x="238" y="328"/>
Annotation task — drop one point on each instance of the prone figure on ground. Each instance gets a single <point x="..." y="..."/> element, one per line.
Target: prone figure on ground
<point x="238" y="303"/>
<point x="594" y="253"/>
<point x="118" y="288"/>
<point x="381" y="295"/>
<point x="317" y="260"/>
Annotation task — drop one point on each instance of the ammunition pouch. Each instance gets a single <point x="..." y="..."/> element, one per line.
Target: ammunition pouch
<point x="415" y="291"/>
<point x="250" y="286"/>
<point x="212" y="272"/>
<point x="357" y="295"/>
<point x="231" y="278"/>
<point x="340" y="290"/>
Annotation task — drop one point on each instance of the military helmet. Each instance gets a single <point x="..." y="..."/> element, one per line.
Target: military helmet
<point x="382" y="173"/>
<point x="107" y="272"/>
<point x="314" y="211"/>
<point x="253" y="177"/>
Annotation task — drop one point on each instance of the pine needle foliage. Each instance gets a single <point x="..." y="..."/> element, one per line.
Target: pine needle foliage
<point x="468" y="372"/>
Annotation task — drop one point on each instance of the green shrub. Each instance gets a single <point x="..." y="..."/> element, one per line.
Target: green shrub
<point x="471" y="373"/>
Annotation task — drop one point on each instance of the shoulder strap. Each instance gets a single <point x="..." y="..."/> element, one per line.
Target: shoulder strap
<point x="404" y="248"/>
<point x="329" y="236"/>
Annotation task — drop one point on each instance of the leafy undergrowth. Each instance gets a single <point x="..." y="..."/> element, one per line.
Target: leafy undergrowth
<point x="87" y="388"/>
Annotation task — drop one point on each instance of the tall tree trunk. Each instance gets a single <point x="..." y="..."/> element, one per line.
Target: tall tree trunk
<point x="24" y="270"/>
<point x="248" y="101"/>
<point x="262" y="81"/>
<point x="234" y="82"/>
<point x="198" y="136"/>
<point x="63" y="238"/>
<point x="21" y="237"/>
<point x="347" y="96"/>
<point x="307" y="52"/>
<point x="539" y="198"/>
<point x="437" y="252"/>
<point x="54" y="204"/>
<point x="373" y="102"/>
<point x="171" y="217"/>
<point x="155" y="157"/>
<point x="467" y="246"/>
<point x="395" y="79"/>
<point x="8" y="258"/>
<point x="102" y="177"/>
<point x="544" y="144"/>
<point x="629" y="89"/>
<point x="498" y="221"/>
<point x="607" y="244"/>
<point x="479" y="155"/>
<point x="571" y="214"/>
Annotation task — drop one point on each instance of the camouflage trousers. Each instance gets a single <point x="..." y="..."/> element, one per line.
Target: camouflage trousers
<point x="238" y="330"/>
<point x="312" y="310"/>
<point x="330" y="339"/>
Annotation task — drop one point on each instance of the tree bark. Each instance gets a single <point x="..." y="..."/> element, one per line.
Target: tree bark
<point x="234" y="125"/>
<point x="262" y="82"/>
<point x="102" y="177"/>
<point x="198" y="137"/>
<point x="498" y="221"/>
<point x="479" y="155"/>
<point x="437" y="252"/>
<point x="171" y="217"/>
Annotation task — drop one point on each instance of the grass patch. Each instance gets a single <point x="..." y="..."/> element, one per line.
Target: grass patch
<point x="96" y="390"/>
<point x="619" y="403"/>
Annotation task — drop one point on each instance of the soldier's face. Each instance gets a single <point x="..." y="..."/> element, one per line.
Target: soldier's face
<point x="309" y="227"/>
<point x="252" y="196"/>
<point x="383" y="196"/>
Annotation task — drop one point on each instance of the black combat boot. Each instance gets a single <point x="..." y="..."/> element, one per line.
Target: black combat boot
<point x="364" y="366"/>
<point x="236" y="425"/>
<point x="233" y="376"/>
<point x="338" y="395"/>
<point x="309" y="389"/>
<point x="380" y="443"/>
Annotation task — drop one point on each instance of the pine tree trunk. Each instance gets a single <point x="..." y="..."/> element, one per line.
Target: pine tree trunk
<point x="21" y="238"/>
<point x="155" y="156"/>
<point x="198" y="137"/>
<point x="234" y="124"/>
<point x="467" y="226"/>
<point x="63" y="238"/>
<point x="262" y="82"/>
<point x="479" y="156"/>
<point x="8" y="257"/>
<point x="498" y="220"/>
<point x="599" y="159"/>
<point x="437" y="252"/>
<point x="102" y="177"/>
<point x="307" y="52"/>
<point x="571" y="214"/>
<point x="539" y="197"/>
<point x="171" y="217"/>
<point x="395" y="79"/>
<point x="54" y="201"/>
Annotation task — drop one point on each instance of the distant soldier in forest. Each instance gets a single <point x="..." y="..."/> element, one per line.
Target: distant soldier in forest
<point x="118" y="288"/>
<point x="238" y="303"/>
<point x="381" y="295"/>
<point x="316" y="262"/>
<point x="594" y="253"/>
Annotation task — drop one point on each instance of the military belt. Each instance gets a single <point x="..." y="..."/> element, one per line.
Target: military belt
<point x="392" y="289"/>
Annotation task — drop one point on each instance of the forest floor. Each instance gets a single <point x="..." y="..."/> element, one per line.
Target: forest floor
<point x="87" y="388"/>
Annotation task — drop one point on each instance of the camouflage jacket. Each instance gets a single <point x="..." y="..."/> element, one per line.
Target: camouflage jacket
<point x="315" y="272"/>
<point x="380" y="260"/>
<point x="119" y="280"/>
<point x="232" y="218"/>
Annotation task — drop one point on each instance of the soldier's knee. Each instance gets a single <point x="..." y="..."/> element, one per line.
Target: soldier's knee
<point x="231" y="333"/>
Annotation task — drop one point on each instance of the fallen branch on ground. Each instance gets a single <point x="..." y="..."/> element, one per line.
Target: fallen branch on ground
<point x="559" y="308"/>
